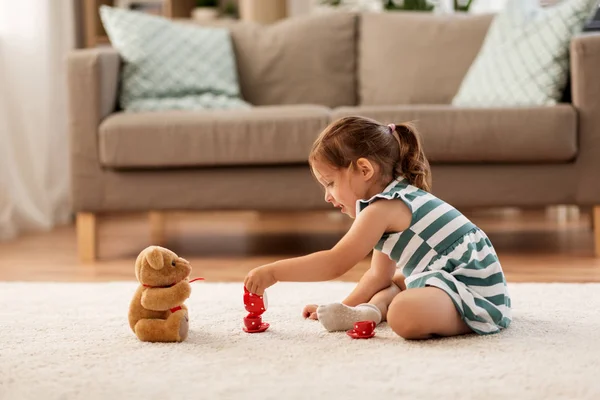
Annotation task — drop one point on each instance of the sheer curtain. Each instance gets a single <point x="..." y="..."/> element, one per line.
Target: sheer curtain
<point x="35" y="36"/>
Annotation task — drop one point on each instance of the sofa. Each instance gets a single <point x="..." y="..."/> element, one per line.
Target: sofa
<point x="300" y="74"/>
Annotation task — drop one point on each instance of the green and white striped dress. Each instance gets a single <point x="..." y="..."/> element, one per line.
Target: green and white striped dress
<point x="442" y="248"/>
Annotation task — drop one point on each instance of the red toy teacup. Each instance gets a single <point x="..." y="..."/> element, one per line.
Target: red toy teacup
<point x="255" y="304"/>
<point x="255" y="325"/>
<point x="252" y="322"/>
<point x="362" y="330"/>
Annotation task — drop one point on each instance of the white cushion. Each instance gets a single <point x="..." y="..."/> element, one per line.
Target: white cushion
<point x="168" y="65"/>
<point x="524" y="59"/>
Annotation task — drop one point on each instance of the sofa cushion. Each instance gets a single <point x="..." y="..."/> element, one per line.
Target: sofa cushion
<point x="196" y="70"/>
<point x="260" y="136"/>
<point x="303" y="60"/>
<point x="475" y="135"/>
<point x="416" y="58"/>
<point x="524" y="60"/>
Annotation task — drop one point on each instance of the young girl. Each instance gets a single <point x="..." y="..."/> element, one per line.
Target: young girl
<point x="433" y="272"/>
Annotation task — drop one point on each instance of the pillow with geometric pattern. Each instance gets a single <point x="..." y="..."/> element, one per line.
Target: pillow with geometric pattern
<point x="524" y="58"/>
<point x="169" y="65"/>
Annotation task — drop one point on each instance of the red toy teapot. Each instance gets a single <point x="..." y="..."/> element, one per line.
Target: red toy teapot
<point x="255" y="305"/>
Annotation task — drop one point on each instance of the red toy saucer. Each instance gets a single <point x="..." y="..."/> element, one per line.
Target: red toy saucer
<point x="263" y="327"/>
<point x="354" y="335"/>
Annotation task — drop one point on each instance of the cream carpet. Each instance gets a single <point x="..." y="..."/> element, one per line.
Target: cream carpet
<point x="72" y="341"/>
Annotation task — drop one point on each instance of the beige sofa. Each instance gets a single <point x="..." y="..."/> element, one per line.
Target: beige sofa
<point x="302" y="73"/>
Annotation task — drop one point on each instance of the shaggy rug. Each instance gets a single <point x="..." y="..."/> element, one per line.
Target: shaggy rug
<point x="72" y="341"/>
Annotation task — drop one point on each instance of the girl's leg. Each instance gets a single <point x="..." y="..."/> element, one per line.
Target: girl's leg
<point x="337" y="316"/>
<point x="383" y="299"/>
<point x="424" y="313"/>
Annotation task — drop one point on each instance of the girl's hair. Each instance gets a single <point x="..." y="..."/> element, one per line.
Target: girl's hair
<point x="397" y="152"/>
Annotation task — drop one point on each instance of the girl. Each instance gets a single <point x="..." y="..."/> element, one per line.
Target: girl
<point x="433" y="272"/>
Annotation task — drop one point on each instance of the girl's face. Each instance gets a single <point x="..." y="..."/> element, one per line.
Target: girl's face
<point x="343" y="186"/>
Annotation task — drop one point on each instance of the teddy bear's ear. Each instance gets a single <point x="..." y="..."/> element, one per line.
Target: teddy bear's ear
<point x="155" y="258"/>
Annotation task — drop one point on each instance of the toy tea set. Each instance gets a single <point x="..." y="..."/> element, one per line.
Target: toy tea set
<point x="157" y="312"/>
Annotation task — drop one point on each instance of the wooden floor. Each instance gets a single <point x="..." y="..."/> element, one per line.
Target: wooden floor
<point x="551" y="245"/>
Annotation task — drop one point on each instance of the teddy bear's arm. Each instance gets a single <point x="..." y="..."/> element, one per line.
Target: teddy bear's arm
<point x="162" y="299"/>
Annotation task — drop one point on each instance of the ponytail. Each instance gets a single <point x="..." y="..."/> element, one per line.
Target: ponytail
<point x="412" y="163"/>
<point x="395" y="149"/>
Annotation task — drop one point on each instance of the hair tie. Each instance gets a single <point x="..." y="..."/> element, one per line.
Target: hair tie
<point x="392" y="128"/>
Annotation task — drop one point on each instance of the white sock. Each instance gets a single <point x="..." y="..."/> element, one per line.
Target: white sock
<point x="340" y="317"/>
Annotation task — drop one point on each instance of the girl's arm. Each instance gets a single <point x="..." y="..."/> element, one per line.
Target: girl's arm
<point x="364" y="234"/>
<point x="377" y="278"/>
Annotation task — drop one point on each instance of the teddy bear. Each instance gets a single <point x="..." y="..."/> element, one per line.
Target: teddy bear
<point x="157" y="312"/>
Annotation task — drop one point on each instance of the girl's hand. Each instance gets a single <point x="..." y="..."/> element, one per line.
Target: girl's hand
<point x="259" y="279"/>
<point x="310" y="311"/>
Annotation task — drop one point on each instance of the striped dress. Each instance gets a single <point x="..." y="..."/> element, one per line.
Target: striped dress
<point x="442" y="248"/>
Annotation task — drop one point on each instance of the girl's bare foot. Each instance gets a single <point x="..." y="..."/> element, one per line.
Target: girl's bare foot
<point x="310" y="311"/>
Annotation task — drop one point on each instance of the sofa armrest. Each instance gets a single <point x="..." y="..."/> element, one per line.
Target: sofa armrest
<point x="110" y="67"/>
<point x="585" y="91"/>
<point x="102" y="66"/>
<point x="92" y="80"/>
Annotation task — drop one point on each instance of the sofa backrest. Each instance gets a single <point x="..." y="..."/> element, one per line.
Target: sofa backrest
<point x="345" y="59"/>
<point x="303" y="60"/>
<point x="416" y="58"/>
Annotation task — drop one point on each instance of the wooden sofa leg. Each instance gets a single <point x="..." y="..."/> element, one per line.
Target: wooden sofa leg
<point x="157" y="228"/>
<point x="86" y="237"/>
<point x="596" y="227"/>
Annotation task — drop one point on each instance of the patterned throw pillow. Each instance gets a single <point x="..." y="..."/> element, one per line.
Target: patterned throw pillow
<point x="524" y="59"/>
<point x="168" y="65"/>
